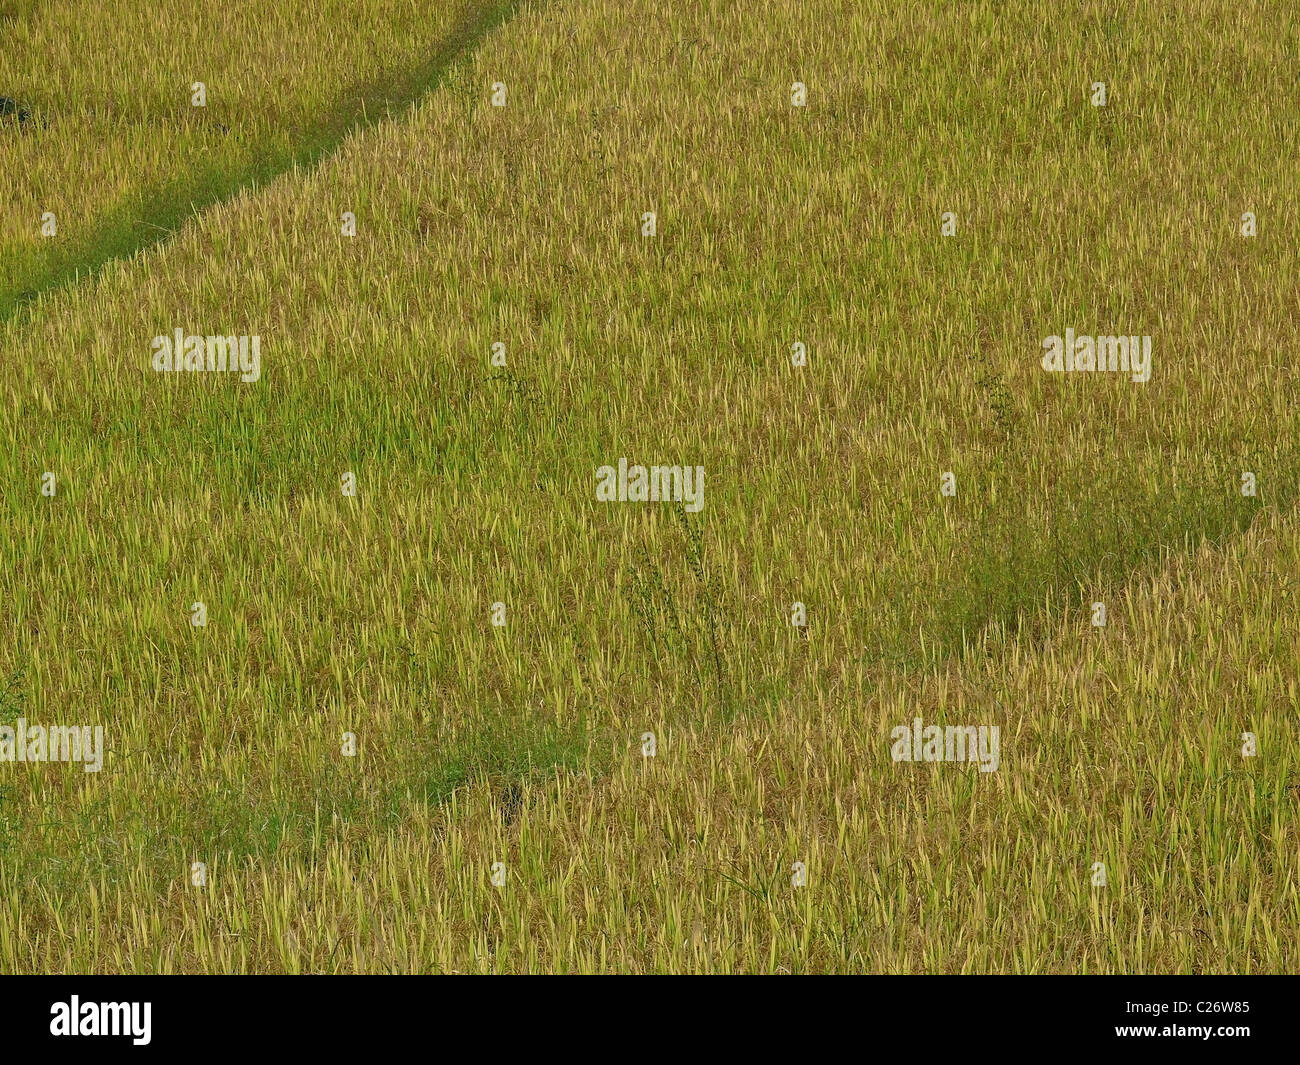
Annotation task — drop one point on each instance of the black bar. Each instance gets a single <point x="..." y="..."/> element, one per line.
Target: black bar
<point x="355" y="1014"/>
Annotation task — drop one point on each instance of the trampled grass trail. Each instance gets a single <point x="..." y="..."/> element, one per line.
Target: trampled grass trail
<point x="113" y="166"/>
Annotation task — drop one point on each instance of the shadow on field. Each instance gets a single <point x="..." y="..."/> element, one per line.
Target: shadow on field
<point x="153" y="215"/>
<point x="13" y="10"/>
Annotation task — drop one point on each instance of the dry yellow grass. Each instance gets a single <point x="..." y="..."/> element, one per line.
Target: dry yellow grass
<point x="682" y="862"/>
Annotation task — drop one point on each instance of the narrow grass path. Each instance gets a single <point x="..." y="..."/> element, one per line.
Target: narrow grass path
<point x="153" y="215"/>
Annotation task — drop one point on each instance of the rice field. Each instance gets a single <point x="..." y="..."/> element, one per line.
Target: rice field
<point x="387" y="684"/>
